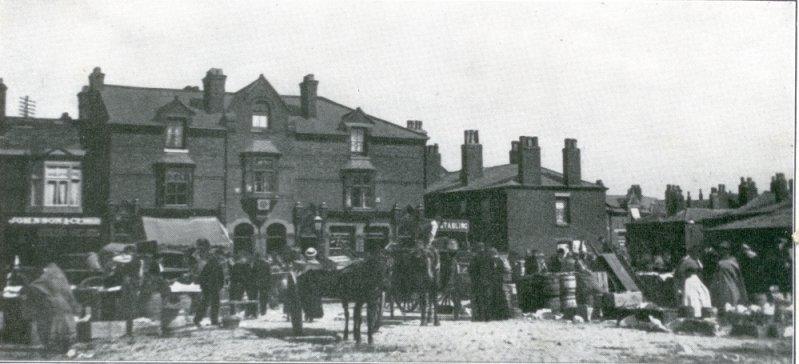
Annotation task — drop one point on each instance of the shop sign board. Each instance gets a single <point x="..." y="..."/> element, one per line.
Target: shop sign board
<point x="461" y="226"/>
<point x="78" y="221"/>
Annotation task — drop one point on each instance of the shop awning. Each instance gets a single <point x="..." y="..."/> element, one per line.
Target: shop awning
<point x="184" y="232"/>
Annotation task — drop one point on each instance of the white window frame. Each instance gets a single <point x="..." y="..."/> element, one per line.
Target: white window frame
<point x="176" y="127"/>
<point x="358" y="140"/>
<point x="260" y="120"/>
<point x="72" y="182"/>
<point x="566" y="211"/>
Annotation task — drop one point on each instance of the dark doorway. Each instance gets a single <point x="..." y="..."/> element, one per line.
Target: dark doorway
<point x="275" y="238"/>
<point x="243" y="238"/>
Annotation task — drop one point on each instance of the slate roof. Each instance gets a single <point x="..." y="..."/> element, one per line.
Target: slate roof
<point x="329" y="114"/>
<point x="497" y="177"/>
<point x="359" y="164"/>
<point x="780" y="218"/>
<point x="261" y="146"/>
<point x="618" y="201"/>
<point x="176" y="158"/>
<point x="139" y="106"/>
<point x="25" y="136"/>
<point x="689" y="214"/>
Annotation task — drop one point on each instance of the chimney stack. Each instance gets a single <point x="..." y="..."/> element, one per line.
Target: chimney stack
<point x="432" y="165"/>
<point x="97" y="79"/>
<point x="571" y="163"/>
<point x="529" y="161"/>
<point x="471" y="157"/>
<point x="308" y="96"/>
<point x="214" y="90"/>
<point x="513" y="155"/>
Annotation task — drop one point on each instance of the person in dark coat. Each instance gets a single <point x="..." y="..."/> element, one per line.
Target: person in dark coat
<point x="239" y="275"/>
<point x="727" y="285"/>
<point x="477" y="276"/>
<point x="262" y="276"/>
<point x="211" y="278"/>
<point x="497" y="302"/>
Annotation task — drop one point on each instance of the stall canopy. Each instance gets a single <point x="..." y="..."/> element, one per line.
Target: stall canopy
<point x="184" y="232"/>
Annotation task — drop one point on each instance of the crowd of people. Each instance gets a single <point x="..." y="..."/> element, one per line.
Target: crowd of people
<point x="713" y="276"/>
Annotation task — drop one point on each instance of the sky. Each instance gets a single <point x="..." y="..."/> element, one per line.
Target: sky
<point x="687" y="93"/>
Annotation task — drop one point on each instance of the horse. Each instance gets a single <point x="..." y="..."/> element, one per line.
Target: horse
<point x="416" y="272"/>
<point x="362" y="282"/>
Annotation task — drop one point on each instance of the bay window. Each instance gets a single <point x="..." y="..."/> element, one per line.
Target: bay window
<point x="261" y="175"/>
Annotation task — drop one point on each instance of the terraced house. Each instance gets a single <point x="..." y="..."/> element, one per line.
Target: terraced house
<point x="275" y="170"/>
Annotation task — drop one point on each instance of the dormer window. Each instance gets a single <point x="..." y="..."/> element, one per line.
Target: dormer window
<point x="175" y="133"/>
<point x="260" y="115"/>
<point x="358" y="140"/>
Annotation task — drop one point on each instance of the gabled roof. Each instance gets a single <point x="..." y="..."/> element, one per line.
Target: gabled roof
<point x="357" y="117"/>
<point x="139" y="105"/>
<point x="26" y="136"/>
<point x="500" y="176"/>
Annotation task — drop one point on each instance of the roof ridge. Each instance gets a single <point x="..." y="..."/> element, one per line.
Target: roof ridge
<point x="370" y="115"/>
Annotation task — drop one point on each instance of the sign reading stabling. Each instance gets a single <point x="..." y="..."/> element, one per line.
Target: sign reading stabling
<point x="461" y="226"/>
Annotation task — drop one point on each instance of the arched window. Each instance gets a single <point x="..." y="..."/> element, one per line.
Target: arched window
<point x="242" y="238"/>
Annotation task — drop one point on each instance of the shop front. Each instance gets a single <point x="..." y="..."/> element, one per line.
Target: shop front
<point x="39" y="240"/>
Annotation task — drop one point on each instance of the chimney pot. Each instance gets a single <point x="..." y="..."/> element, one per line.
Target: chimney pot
<point x="513" y="154"/>
<point x="308" y="88"/>
<point x="97" y="79"/>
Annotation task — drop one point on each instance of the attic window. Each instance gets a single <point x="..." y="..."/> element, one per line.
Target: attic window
<point x="260" y="115"/>
<point x="175" y="133"/>
<point x="358" y="140"/>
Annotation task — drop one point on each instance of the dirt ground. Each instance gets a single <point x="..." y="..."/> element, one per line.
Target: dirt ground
<point x="519" y="340"/>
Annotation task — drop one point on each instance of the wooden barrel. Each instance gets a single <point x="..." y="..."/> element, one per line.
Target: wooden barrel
<point x="553" y="291"/>
<point x="568" y="290"/>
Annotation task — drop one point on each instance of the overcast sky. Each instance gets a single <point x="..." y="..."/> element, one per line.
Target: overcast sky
<point x="688" y="93"/>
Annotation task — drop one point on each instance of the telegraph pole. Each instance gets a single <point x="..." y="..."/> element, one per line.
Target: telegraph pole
<point x="27" y="107"/>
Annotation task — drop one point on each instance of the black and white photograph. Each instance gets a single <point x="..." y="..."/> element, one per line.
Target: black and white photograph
<point x="397" y="181"/>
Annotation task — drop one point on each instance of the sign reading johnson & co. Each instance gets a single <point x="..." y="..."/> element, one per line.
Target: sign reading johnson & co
<point x="77" y="221"/>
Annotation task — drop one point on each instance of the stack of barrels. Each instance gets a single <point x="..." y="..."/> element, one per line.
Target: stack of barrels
<point x="568" y="290"/>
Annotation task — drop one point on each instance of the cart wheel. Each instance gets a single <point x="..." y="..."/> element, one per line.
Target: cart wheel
<point x="294" y="305"/>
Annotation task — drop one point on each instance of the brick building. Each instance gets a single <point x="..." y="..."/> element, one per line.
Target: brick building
<point x="44" y="215"/>
<point x="520" y="205"/>
<point x="272" y="168"/>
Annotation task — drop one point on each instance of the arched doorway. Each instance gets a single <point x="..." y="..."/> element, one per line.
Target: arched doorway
<point x="275" y="238"/>
<point x="243" y="238"/>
